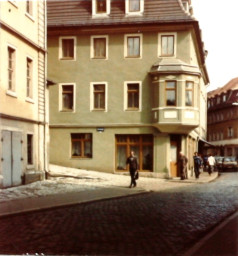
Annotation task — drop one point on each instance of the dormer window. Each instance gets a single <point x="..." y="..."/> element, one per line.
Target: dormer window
<point x="100" y="8"/>
<point x="134" y="7"/>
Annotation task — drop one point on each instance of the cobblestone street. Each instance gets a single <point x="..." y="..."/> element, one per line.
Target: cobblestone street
<point x="157" y="223"/>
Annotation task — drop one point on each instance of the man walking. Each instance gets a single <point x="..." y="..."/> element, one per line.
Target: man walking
<point x="133" y="167"/>
<point x="183" y="160"/>
<point x="197" y="164"/>
<point x="211" y="163"/>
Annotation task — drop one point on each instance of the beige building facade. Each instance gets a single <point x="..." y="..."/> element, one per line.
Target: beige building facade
<point x="126" y="79"/>
<point x="23" y="93"/>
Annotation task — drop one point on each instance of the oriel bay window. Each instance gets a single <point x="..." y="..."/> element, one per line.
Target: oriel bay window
<point x="142" y="145"/>
<point x="170" y="94"/>
<point x="67" y="97"/>
<point x="81" y="145"/>
<point x="189" y="91"/>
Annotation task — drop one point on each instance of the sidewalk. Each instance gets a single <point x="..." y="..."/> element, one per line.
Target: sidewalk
<point x="69" y="187"/>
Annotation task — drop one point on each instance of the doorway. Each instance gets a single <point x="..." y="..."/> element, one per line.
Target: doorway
<point x="11" y="158"/>
<point x="175" y="147"/>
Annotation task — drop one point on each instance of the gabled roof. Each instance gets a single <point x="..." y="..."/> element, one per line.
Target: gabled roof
<point x="230" y="86"/>
<point x="79" y="13"/>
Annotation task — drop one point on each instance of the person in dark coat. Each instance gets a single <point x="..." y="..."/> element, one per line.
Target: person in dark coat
<point x="133" y="167"/>
<point x="183" y="160"/>
<point x="197" y="164"/>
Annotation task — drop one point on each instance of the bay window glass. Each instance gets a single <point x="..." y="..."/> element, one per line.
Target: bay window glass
<point x="189" y="94"/>
<point x="170" y="93"/>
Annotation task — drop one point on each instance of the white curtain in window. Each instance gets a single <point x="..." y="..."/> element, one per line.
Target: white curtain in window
<point x="134" y="5"/>
<point x="134" y="46"/>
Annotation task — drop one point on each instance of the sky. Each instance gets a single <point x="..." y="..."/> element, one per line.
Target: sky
<point x="218" y="20"/>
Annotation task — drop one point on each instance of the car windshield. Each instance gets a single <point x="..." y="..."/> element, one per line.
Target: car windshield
<point x="229" y="159"/>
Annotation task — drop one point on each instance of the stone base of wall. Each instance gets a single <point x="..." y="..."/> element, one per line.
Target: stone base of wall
<point x="33" y="176"/>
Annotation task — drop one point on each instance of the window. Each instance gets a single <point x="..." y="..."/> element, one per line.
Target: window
<point x="224" y="98"/>
<point x="67" y="48"/>
<point x="218" y="100"/>
<point x="167" y="45"/>
<point x="81" y="145"/>
<point x="67" y="103"/>
<point x="29" y="7"/>
<point x="189" y="94"/>
<point x="99" y="96"/>
<point x="230" y="132"/>
<point x="100" y="7"/>
<point x="99" y="49"/>
<point x="28" y="78"/>
<point x="132" y="96"/>
<point x="170" y="93"/>
<point x="133" y="46"/>
<point x="11" y="68"/>
<point x="134" y="7"/>
<point x="142" y="145"/>
<point x="29" y="149"/>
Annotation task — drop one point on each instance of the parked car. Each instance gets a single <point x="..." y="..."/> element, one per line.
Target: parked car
<point x="219" y="161"/>
<point x="229" y="163"/>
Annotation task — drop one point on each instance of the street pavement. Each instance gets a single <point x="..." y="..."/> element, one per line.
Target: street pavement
<point x="135" y="222"/>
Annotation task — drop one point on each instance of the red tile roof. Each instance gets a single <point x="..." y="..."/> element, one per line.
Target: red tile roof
<point x="231" y="85"/>
<point x="79" y="13"/>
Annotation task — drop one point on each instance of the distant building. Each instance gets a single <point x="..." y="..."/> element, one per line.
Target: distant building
<point x="23" y="94"/>
<point x="223" y="119"/>
<point x="130" y="75"/>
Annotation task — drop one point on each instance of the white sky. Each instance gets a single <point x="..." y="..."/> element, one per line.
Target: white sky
<point x="218" y="20"/>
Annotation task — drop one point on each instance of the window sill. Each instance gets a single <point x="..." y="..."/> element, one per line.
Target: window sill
<point x="99" y="58"/>
<point x="11" y="93"/>
<point x="99" y="110"/>
<point x="139" y="13"/>
<point x="30" y="167"/>
<point x="132" y="110"/>
<point x="67" y="110"/>
<point x="28" y="15"/>
<point x="68" y="59"/>
<point x="100" y="15"/>
<point x="30" y="100"/>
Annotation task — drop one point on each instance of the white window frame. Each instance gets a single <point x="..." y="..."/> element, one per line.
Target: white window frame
<point x="92" y="47"/>
<point x="92" y="96"/>
<point x="108" y="9"/>
<point x="30" y="99"/>
<point x="30" y="15"/>
<point x="12" y="92"/>
<point x="13" y="2"/>
<point x="126" y="49"/>
<point x="61" y="99"/>
<point x="126" y="96"/>
<point x="160" y="44"/>
<point x="140" y="12"/>
<point x="60" y="48"/>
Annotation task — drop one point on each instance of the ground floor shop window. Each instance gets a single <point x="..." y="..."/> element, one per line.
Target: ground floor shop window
<point x="142" y="145"/>
<point x="81" y="145"/>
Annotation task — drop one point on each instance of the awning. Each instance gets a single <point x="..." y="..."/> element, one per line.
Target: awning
<point x="206" y="142"/>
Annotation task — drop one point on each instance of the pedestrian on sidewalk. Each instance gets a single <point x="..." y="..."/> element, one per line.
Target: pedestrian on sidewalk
<point x="133" y="168"/>
<point x="183" y="160"/>
<point x="197" y="164"/>
<point x="211" y="163"/>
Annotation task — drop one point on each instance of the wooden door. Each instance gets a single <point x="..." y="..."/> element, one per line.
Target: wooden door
<point x="174" y="158"/>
